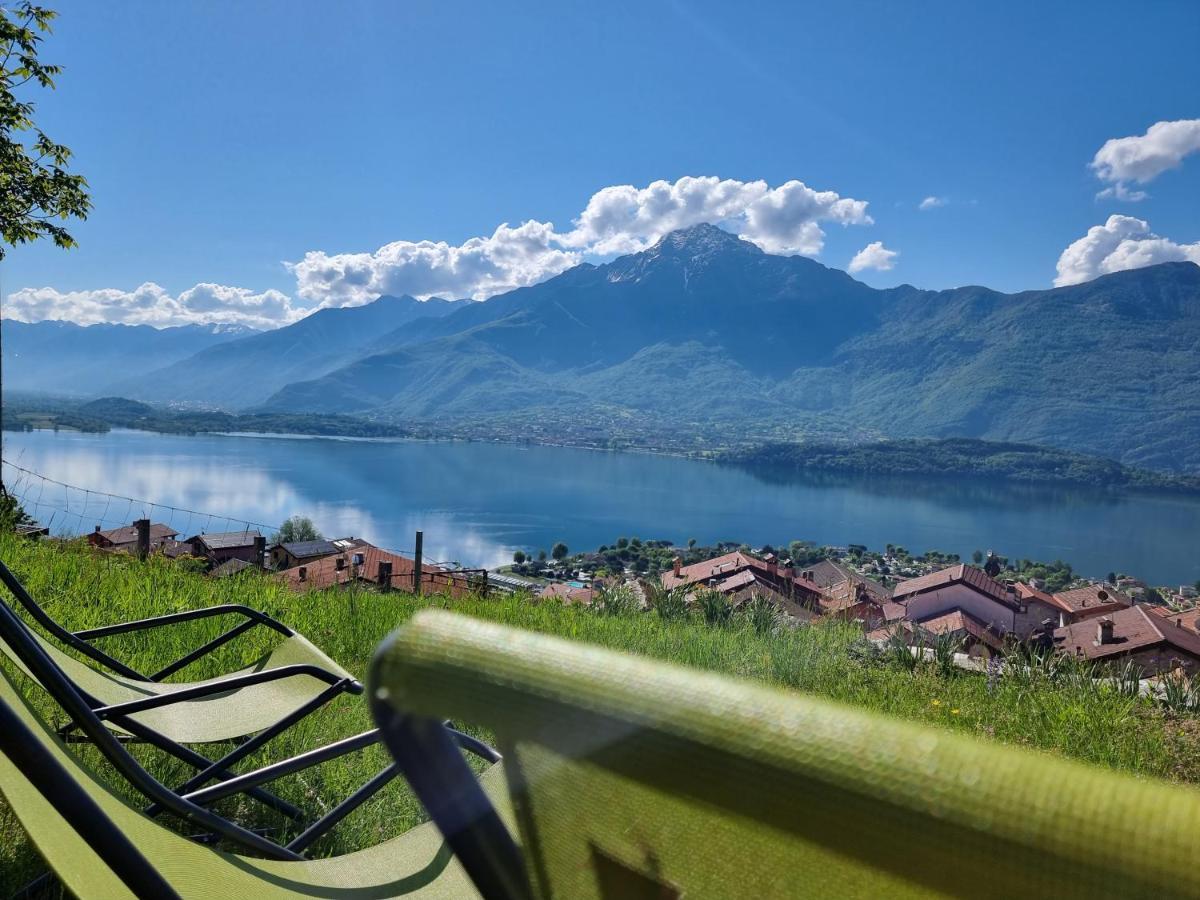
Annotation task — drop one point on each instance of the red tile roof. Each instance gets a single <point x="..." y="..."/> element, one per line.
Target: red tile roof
<point x="1091" y="598"/>
<point x="958" y="620"/>
<point x="703" y="572"/>
<point x="567" y="594"/>
<point x="960" y="574"/>
<point x="1134" y="629"/>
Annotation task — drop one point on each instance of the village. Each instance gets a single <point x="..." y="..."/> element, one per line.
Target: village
<point x="982" y="610"/>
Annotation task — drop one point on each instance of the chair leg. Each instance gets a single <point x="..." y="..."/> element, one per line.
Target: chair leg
<point x="198" y="761"/>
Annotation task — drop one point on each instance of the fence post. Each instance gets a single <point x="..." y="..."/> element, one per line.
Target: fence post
<point x="143" y="537"/>
<point x="260" y="551"/>
<point x="417" y="563"/>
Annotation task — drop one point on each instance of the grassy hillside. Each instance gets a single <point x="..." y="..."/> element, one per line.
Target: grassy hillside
<point x="1066" y="714"/>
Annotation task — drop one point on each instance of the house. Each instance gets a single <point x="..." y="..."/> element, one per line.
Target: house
<point x="1080" y="603"/>
<point x="218" y="547"/>
<point x="295" y="553"/>
<point x="1001" y="608"/>
<point x="740" y="576"/>
<point x="833" y="578"/>
<point x="977" y="639"/>
<point x="125" y="538"/>
<point x="369" y="565"/>
<point x="567" y="594"/>
<point x="1155" y="643"/>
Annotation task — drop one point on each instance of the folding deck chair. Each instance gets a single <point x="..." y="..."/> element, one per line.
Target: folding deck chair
<point x="289" y="682"/>
<point x="190" y="807"/>
<point x="257" y="703"/>
<point x="100" y="847"/>
<point x="631" y="778"/>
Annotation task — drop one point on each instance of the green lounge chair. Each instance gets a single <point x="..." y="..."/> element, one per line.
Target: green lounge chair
<point x="634" y="778"/>
<point x="100" y="847"/>
<point x="258" y="702"/>
<point x="285" y="684"/>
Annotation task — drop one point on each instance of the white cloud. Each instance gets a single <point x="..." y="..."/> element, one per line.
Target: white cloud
<point x="151" y="304"/>
<point x="931" y="203"/>
<point x="1121" y="243"/>
<point x="873" y="256"/>
<point x="617" y="219"/>
<point x="1142" y="158"/>
<point x="1121" y="191"/>
<point x="479" y="267"/>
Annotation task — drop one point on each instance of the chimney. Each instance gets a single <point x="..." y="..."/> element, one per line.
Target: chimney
<point x="385" y="574"/>
<point x="341" y="563"/>
<point x="1104" y="631"/>
<point x="97" y="529"/>
<point x="303" y="573"/>
<point x="677" y="566"/>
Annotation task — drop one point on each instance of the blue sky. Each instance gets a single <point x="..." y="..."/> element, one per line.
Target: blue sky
<point x="224" y="140"/>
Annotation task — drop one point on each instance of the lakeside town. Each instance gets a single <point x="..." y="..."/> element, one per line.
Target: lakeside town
<point x="981" y="609"/>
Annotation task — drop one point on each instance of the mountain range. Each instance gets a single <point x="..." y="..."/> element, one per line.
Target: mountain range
<point x="75" y="360"/>
<point x="704" y="333"/>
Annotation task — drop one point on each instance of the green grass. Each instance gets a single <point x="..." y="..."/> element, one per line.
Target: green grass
<point x="1060" y="712"/>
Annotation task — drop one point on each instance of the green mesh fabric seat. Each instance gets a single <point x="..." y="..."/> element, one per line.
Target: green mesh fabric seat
<point x="415" y="864"/>
<point x="632" y="778"/>
<point x="293" y="677"/>
<point x="218" y="717"/>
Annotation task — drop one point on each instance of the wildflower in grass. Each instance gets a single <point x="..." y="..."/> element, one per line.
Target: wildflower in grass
<point x="955" y="712"/>
<point x="935" y="702"/>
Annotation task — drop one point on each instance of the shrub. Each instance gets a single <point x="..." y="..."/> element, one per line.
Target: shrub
<point x="714" y="606"/>
<point x="945" y="646"/>
<point x="616" y="600"/>
<point x="761" y="614"/>
<point x="671" y="605"/>
<point x="900" y="654"/>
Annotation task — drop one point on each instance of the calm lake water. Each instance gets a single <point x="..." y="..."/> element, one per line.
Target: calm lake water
<point x="477" y="503"/>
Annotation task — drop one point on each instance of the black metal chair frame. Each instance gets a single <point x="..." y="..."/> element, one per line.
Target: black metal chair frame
<point x="189" y="802"/>
<point x="426" y="752"/>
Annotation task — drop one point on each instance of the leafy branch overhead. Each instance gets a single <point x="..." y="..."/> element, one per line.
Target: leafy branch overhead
<point x="36" y="190"/>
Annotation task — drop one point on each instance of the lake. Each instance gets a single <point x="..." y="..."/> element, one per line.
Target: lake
<point x="477" y="503"/>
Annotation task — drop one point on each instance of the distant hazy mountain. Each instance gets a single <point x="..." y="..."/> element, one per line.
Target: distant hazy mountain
<point x="706" y="327"/>
<point x="64" y="358"/>
<point x="244" y="373"/>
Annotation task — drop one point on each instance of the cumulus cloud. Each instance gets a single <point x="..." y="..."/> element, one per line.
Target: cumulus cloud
<point x="785" y="219"/>
<point x="931" y="203"/>
<point x="479" y="267"/>
<point x="151" y="304"/>
<point x="1142" y="158"/>
<point x="873" y="256"/>
<point x="616" y="219"/>
<point x="1122" y="242"/>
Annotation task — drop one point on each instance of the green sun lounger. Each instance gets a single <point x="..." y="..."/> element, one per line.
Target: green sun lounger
<point x="632" y="778"/>
<point x="100" y="847"/>
<point x="292" y="678"/>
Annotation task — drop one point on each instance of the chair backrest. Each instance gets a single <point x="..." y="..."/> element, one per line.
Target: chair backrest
<point x="634" y="778"/>
<point x="34" y="660"/>
<point x="52" y="627"/>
